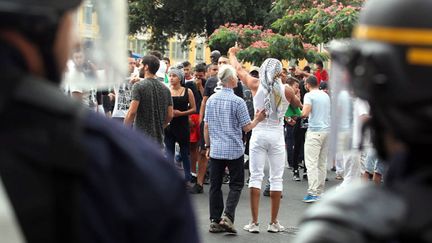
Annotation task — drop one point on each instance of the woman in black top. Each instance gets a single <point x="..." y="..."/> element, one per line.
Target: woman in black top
<point x="178" y="129"/>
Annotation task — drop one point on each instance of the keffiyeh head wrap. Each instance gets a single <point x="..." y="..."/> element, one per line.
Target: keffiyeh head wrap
<point x="269" y="75"/>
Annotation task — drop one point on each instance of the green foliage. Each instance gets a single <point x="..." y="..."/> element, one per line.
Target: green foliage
<point x="223" y="39"/>
<point x="316" y="23"/>
<point x="258" y="44"/>
<point x="167" y="18"/>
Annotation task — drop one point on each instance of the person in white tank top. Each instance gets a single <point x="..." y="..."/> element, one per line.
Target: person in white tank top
<point x="267" y="139"/>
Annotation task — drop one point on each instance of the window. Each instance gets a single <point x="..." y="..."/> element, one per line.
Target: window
<point x="199" y="52"/>
<point x="88" y="13"/>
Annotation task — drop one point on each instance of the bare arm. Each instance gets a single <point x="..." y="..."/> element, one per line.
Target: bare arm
<point x="259" y="116"/>
<point x="306" y="110"/>
<point x="169" y="116"/>
<point x="292" y="98"/>
<point x="248" y="80"/>
<point x="207" y="139"/>
<point x="202" y="108"/>
<point x="130" y="116"/>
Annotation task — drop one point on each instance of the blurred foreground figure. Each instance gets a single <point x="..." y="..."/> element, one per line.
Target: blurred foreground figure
<point x="68" y="174"/>
<point x="389" y="65"/>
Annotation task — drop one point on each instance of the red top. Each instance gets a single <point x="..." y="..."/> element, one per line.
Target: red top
<point x="321" y="75"/>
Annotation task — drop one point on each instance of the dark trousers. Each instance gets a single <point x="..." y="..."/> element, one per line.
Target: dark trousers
<point x="246" y="140"/>
<point x="289" y="141"/>
<point x="184" y="153"/>
<point x="217" y="169"/>
<point x="299" y="140"/>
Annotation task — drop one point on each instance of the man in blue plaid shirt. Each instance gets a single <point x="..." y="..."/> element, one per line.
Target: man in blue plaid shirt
<point x="226" y="116"/>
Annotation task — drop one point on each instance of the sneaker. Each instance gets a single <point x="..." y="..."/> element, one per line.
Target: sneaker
<point x="266" y="192"/>
<point x="339" y="177"/>
<point x="216" y="228"/>
<point x="296" y="176"/>
<point x="196" y="189"/>
<point x="227" y="224"/>
<point x="310" y="198"/>
<point x="252" y="227"/>
<point x="275" y="227"/>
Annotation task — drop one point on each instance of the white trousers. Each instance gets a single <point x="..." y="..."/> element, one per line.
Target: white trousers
<point x="315" y="152"/>
<point x="267" y="143"/>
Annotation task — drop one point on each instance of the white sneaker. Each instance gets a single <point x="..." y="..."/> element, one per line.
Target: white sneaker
<point x="252" y="228"/>
<point x="275" y="227"/>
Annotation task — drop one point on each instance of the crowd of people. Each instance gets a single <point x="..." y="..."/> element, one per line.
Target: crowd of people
<point x="262" y="114"/>
<point x="68" y="174"/>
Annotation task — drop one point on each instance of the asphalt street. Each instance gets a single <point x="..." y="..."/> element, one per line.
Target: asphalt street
<point x="290" y="213"/>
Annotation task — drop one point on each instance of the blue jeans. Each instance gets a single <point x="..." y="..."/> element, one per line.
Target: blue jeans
<point x="184" y="153"/>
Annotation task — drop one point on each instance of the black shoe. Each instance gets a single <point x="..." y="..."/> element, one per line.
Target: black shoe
<point x="296" y="176"/>
<point x="196" y="189"/>
<point x="206" y="180"/>
<point x="333" y="168"/>
<point x="193" y="179"/>
<point x="226" y="179"/>
<point x="305" y="177"/>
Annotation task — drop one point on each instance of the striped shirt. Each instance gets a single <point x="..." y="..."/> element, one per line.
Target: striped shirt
<point x="226" y="115"/>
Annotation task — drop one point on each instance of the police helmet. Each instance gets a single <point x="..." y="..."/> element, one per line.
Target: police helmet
<point x="389" y="64"/>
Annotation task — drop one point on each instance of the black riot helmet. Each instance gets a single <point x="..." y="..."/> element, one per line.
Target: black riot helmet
<point x="38" y="21"/>
<point x="388" y="63"/>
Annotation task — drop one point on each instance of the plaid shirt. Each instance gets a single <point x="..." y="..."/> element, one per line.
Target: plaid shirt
<point x="226" y="115"/>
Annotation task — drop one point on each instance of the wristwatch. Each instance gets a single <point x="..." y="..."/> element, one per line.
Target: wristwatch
<point x="206" y="146"/>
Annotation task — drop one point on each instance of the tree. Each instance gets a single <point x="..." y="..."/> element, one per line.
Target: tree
<point x="316" y="23"/>
<point x="258" y="44"/>
<point x="167" y="18"/>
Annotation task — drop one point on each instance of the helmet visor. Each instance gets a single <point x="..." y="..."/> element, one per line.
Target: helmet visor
<point x="100" y="61"/>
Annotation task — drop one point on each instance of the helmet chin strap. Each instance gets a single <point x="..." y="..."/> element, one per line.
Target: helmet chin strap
<point x="51" y="66"/>
<point x="377" y="133"/>
<point x="46" y="43"/>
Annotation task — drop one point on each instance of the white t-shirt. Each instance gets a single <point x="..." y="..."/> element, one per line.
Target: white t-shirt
<point x="360" y="108"/>
<point x="123" y="97"/>
<point x="319" y="117"/>
<point x="72" y="77"/>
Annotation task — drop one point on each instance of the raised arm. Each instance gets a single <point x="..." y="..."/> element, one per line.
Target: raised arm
<point x="248" y="80"/>
<point x="292" y="98"/>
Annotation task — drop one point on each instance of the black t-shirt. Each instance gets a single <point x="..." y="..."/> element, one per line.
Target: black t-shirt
<point x="212" y="83"/>
<point x="197" y="95"/>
